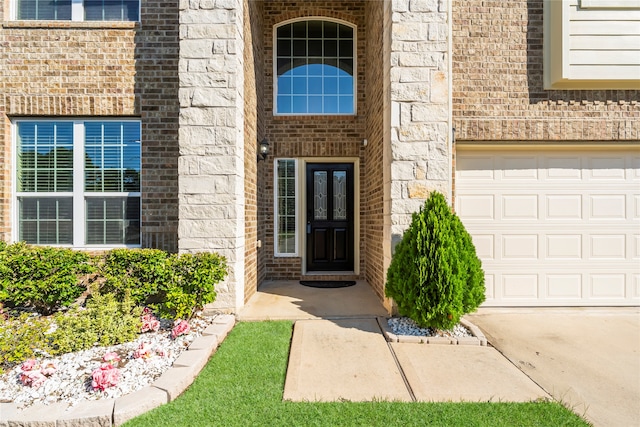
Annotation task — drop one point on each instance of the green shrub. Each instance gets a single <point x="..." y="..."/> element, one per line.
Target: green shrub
<point x="435" y="275"/>
<point x="20" y="337"/>
<point x="137" y="272"/>
<point x="104" y="321"/>
<point x="191" y="285"/>
<point x="41" y="277"/>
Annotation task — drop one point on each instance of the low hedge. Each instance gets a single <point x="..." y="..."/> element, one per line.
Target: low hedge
<point x="48" y="279"/>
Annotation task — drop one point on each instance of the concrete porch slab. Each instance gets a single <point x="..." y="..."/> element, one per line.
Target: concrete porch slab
<point x="443" y="373"/>
<point x="279" y="300"/>
<point x="345" y="359"/>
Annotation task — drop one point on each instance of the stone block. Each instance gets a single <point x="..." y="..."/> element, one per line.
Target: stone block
<point x="198" y="48"/>
<point x="423" y="5"/>
<point x="213" y="97"/>
<point x="468" y="341"/>
<point x="429" y="113"/>
<point x="402" y="170"/>
<point x="225" y="319"/>
<point x="8" y="412"/>
<point x="206" y="16"/>
<point x="195" y="359"/>
<point x="439" y="87"/>
<point x="175" y="381"/>
<point x="97" y="413"/>
<point x="443" y="340"/>
<point x="38" y="415"/>
<point x="412" y="339"/>
<point x="409" y="92"/>
<point x="137" y="403"/>
<point x="218" y="329"/>
<point x="205" y="342"/>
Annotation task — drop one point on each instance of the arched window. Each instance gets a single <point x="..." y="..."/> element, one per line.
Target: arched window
<point x="314" y="67"/>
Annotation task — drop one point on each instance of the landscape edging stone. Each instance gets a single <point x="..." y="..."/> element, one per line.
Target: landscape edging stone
<point x="145" y="399"/>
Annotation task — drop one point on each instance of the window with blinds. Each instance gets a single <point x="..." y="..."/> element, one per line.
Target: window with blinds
<point x="87" y="10"/>
<point x="78" y="182"/>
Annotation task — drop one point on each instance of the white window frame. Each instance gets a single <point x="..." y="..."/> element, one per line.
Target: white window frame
<point x="78" y="195"/>
<point x="77" y="13"/>
<point x="276" y="251"/>
<point x="275" y="65"/>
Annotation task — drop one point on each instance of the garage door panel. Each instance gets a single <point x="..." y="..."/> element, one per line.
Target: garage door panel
<point x="564" y="286"/>
<point x="563" y="246"/>
<point x="519" y="286"/>
<point x="571" y="236"/>
<point x="479" y="206"/>
<point x="564" y="168"/>
<point x="520" y="168"/>
<point x="608" y="286"/>
<point x="516" y="206"/>
<point x="563" y="206"/>
<point x="520" y="246"/>
<point x="607" y="246"/>
<point x="605" y="206"/>
<point x="606" y="167"/>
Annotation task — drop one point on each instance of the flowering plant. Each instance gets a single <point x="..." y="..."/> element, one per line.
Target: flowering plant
<point x="149" y="321"/>
<point x="180" y="327"/>
<point x="35" y="375"/>
<point x="105" y="376"/>
<point x="144" y="351"/>
<point x="111" y="357"/>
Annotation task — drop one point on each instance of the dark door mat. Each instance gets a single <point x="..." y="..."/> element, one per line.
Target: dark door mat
<point x="328" y="283"/>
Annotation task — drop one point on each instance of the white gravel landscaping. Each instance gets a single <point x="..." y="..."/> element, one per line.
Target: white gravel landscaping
<point x="72" y="379"/>
<point x="405" y="326"/>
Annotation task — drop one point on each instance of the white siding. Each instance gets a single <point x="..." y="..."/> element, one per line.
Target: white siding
<point x="592" y="44"/>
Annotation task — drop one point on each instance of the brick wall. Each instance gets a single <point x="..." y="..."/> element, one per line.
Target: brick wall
<point x="253" y="131"/>
<point x="498" y="83"/>
<point x="372" y="205"/>
<point x="64" y="69"/>
<point x="309" y="136"/>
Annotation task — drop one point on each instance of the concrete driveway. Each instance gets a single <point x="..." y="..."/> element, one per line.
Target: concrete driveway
<point x="587" y="358"/>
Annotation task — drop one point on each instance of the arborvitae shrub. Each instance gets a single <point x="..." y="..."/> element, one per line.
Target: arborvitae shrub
<point x="435" y="276"/>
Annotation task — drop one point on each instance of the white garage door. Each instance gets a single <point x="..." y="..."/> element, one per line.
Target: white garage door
<point x="553" y="227"/>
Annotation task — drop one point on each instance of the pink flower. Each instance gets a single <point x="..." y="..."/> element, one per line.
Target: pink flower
<point x="180" y="327"/>
<point x="111" y="357"/>
<point x="32" y="378"/>
<point x="28" y="365"/>
<point x="48" y="369"/>
<point x="144" y="351"/>
<point x="149" y="321"/>
<point x="105" y="376"/>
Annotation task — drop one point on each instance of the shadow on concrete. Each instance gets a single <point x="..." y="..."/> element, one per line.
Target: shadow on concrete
<point x="289" y="300"/>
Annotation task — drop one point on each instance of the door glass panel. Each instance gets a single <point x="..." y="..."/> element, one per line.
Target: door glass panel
<point x="340" y="195"/>
<point x="320" y="195"/>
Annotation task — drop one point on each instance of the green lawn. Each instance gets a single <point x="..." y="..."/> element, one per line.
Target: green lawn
<point x="242" y="385"/>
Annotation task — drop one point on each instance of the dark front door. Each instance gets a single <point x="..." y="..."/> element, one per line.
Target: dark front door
<point x="330" y="217"/>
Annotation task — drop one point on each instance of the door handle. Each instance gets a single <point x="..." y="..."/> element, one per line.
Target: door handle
<point x="309" y="227"/>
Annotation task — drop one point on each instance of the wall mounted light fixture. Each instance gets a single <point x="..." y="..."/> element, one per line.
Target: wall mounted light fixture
<point x="263" y="149"/>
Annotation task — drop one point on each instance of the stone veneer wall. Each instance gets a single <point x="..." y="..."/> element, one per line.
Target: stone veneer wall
<point x="99" y="70"/>
<point x="309" y="136"/>
<point x="253" y="132"/>
<point x="417" y="154"/>
<point x="372" y="205"/>
<point x="498" y="84"/>
<point x="211" y="168"/>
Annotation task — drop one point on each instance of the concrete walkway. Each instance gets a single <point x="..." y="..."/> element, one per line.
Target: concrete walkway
<point x="350" y="360"/>
<point x="586" y="358"/>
